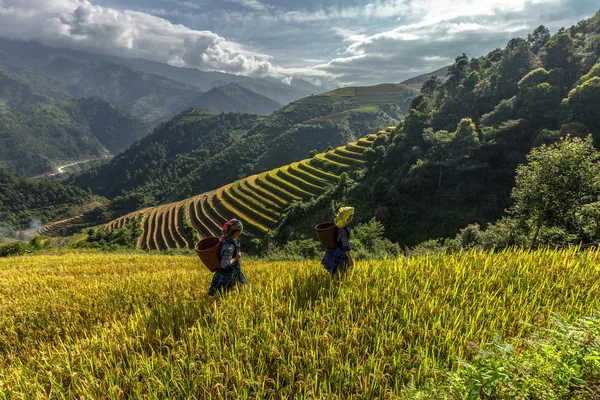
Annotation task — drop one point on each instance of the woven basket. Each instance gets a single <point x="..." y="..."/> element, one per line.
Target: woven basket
<point x="327" y="233"/>
<point x="209" y="251"/>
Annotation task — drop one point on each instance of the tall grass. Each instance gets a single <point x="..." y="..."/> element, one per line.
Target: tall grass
<point x="91" y="325"/>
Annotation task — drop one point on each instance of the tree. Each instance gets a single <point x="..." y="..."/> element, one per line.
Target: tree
<point x="559" y="53"/>
<point x="582" y="105"/>
<point x="431" y="86"/>
<point x="555" y="185"/>
<point x="539" y="38"/>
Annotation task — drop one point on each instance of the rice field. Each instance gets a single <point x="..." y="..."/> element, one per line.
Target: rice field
<point x="259" y="200"/>
<point x="92" y="325"/>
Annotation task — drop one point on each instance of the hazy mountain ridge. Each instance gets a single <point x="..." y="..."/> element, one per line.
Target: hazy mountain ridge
<point x="234" y="98"/>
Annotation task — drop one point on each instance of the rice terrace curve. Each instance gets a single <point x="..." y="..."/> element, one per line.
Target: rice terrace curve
<point x="258" y="200"/>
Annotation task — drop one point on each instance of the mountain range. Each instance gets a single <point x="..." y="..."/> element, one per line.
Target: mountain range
<point x="150" y="90"/>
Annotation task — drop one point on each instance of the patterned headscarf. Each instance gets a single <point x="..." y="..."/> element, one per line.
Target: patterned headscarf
<point x="342" y="216"/>
<point x="232" y="226"/>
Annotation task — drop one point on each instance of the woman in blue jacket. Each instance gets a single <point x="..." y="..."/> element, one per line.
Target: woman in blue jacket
<point x="230" y="273"/>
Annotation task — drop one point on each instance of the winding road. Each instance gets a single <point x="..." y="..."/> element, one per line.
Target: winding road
<point x="61" y="169"/>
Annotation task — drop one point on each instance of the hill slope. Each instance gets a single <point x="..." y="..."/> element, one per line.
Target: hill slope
<point x="24" y="200"/>
<point x="315" y="122"/>
<point x="39" y="136"/>
<point x="234" y="98"/>
<point x="20" y="87"/>
<point x="418" y="81"/>
<point x="258" y="200"/>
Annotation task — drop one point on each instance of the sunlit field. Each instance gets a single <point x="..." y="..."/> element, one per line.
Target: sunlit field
<point x="93" y="325"/>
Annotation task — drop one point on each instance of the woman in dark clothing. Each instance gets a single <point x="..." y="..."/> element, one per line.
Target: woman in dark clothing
<point x="230" y="273"/>
<point x="340" y="258"/>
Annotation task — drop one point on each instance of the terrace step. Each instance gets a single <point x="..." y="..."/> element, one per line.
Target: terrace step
<point x="344" y="160"/>
<point x="364" y="143"/>
<point x="230" y="197"/>
<point x="213" y="227"/>
<point x="276" y="179"/>
<point x="353" y="147"/>
<point x="159" y="239"/>
<point x="168" y="232"/>
<point x="197" y="223"/>
<point x="179" y="229"/>
<point x="150" y="243"/>
<point x="268" y="186"/>
<point x="305" y="165"/>
<point x="250" y="225"/>
<point x="253" y="202"/>
<point x="323" y="157"/>
<point x="212" y="211"/>
<point x="349" y="154"/>
<point x="300" y="173"/>
<point x="251" y="188"/>
<point x="313" y="189"/>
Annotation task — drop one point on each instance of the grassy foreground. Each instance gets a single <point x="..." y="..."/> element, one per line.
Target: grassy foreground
<point x="91" y="325"/>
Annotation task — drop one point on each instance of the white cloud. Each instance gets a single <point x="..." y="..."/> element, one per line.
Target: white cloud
<point x="253" y="4"/>
<point x="80" y="24"/>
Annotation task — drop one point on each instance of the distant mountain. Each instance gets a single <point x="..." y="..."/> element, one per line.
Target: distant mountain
<point x="39" y="136"/>
<point x="418" y="81"/>
<point x="166" y="166"/>
<point x="206" y="80"/>
<point x="235" y="98"/>
<point x="151" y="97"/>
<point x="62" y="62"/>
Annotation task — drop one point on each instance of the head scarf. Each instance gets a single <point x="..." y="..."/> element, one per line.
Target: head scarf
<point x="232" y="226"/>
<point x="342" y="216"/>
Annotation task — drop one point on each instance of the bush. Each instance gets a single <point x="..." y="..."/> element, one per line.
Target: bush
<point x="20" y="248"/>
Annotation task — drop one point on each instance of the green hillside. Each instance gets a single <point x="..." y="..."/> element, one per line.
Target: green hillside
<point x="258" y="200"/>
<point x="160" y="159"/>
<point x="42" y="135"/>
<point x="257" y="145"/>
<point x="453" y="161"/>
<point x="25" y="200"/>
<point x="234" y="98"/>
<point x="20" y="87"/>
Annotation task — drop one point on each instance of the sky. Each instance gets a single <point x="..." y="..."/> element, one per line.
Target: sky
<point x="330" y="43"/>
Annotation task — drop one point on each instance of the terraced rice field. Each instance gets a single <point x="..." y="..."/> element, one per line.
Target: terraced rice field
<point x="258" y="200"/>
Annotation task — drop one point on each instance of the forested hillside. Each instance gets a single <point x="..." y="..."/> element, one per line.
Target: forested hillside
<point x="20" y="87"/>
<point x="25" y="200"/>
<point x="41" y="135"/>
<point x="162" y="158"/>
<point x="244" y="146"/>
<point x="452" y="161"/>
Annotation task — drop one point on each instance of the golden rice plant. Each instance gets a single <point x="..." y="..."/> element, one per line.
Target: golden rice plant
<point x="91" y="325"/>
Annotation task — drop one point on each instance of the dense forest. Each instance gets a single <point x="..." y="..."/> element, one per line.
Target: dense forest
<point x="24" y="200"/>
<point x="39" y="136"/>
<point x="454" y="158"/>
